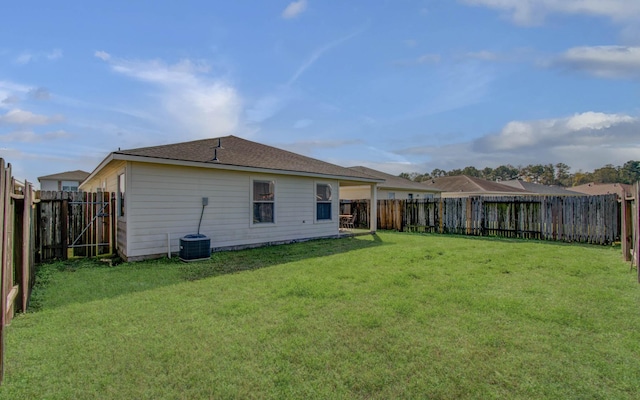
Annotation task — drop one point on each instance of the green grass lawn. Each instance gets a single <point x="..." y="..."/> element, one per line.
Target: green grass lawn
<point x="387" y="316"/>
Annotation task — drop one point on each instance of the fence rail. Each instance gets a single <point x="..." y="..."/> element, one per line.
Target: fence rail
<point x="16" y="249"/>
<point x="584" y="219"/>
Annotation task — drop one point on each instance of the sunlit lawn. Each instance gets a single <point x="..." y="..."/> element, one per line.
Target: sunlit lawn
<point x="390" y="316"/>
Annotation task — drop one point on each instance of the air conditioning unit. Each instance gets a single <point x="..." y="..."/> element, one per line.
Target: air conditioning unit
<point x="195" y="247"/>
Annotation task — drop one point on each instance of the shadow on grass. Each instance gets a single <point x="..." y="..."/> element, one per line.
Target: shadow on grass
<point x="502" y="239"/>
<point x="78" y="281"/>
<point x="237" y="261"/>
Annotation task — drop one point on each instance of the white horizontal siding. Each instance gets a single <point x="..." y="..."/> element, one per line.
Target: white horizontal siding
<point x="165" y="200"/>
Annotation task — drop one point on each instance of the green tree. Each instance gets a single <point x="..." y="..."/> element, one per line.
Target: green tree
<point x="471" y="171"/>
<point x="487" y="173"/>
<point x="630" y="172"/>
<point x="563" y="175"/>
<point x="606" y="174"/>
<point x="580" y="178"/>
<point x="505" y="172"/>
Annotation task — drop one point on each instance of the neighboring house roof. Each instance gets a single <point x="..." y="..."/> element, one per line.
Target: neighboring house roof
<point x="469" y="184"/>
<point x="621" y="189"/>
<point x="538" y="188"/>
<point x="394" y="182"/>
<point x="76" y="175"/>
<point x="239" y="154"/>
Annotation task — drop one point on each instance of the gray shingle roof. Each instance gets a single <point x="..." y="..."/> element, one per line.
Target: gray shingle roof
<point x="538" y="188"/>
<point x="394" y="182"/>
<point x="76" y="175"/>
<point x="238" y="152"/>
<point x="621" y="189"/>
<point x="463" y="183"/>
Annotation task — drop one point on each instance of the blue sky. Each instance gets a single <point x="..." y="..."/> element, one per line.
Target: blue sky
<point x="399" y="86"/>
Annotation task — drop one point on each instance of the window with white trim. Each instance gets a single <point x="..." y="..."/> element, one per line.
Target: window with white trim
<point x="263" y="201"/>
<point x="323" y="202"/>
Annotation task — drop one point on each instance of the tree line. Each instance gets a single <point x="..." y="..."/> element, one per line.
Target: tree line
<point x="545" y="174"/>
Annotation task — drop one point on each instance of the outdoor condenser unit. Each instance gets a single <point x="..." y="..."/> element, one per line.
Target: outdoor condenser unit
<point x="195" y="247"/>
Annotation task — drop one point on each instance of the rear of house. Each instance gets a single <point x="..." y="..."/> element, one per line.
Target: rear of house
<point x="68" y="181"/>
<point x="254" y="195"/>
<point x="393" y="188"/>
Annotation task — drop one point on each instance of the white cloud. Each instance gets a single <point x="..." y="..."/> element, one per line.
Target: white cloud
<point x="10" y="93"/>
<point x="206" y="106"/>
<point x="54" y="54"/>
<point x="590" y="127"/>
<point x="39" y="93"/>
<point x="103" y="55"/>
<point x="602" y="61"/>
<point x="421" y="60"/>
<point x="21" y="117"/>
<point x="268" y="106"/>
<point x="32" y="137"/>
<point x="294" y="9"/>
<point x="583" y="141"/>
<point x="302" y="123"/>
<point x="9" y="99"/>
<point x="484" y="55"/>
<point x="531" y="12"/>
<point x="26" y="56"/>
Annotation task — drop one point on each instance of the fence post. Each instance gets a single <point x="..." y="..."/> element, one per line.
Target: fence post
<point x="636" y="227"/>
<point x="3" y="199"/>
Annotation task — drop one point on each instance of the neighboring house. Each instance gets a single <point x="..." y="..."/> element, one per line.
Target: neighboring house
<point x="544" y="190"/>
<point x="466" y="186"/>
<point x="393" y="187"/>
<point x="65" y="181"/>
<point x="621" y="189"/>
<point x="237" y="192"/>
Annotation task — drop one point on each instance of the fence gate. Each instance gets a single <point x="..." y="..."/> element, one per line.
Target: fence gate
<point x="75" y="224"/>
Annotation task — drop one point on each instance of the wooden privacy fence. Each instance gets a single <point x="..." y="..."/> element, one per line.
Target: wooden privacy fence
<point x="16" y="249"/>
<point x="630" y="235"/>
<point x="75" y="224"/>
<point x="584" y="219"/>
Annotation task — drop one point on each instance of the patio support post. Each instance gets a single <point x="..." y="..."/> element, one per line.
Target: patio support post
<point x="373" y="210"/>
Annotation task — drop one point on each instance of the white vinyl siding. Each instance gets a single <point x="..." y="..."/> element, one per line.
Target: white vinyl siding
<point x="165" y="200"/>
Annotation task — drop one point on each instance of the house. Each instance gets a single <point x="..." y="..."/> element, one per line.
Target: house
<point x="466" y="186"/>
<point x="536" y="188"/>
<point x="393" y="187"/>
<point x="65" y="181"/>
<point x="237" y="192"/>
<point x="621" y="189"/>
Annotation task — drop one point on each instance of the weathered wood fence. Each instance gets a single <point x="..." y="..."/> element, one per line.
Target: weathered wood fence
<point x="75" y="224"/>
<point x="16" y="249"/>
<point x="630" y="232"/>
<point x="584" y="219"/>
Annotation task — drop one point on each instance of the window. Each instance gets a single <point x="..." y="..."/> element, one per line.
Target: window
<point x="323" y="201"/>
<point x="410" y="196"/>
<point x="121" y="195"/>
<point x="263" y="201"/>
<point x="391" y="196"/>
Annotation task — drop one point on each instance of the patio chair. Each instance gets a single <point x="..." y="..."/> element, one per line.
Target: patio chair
<point x="347" y="221"/>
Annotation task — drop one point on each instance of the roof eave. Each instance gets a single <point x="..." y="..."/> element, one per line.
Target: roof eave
<point x="166" y="161"/>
